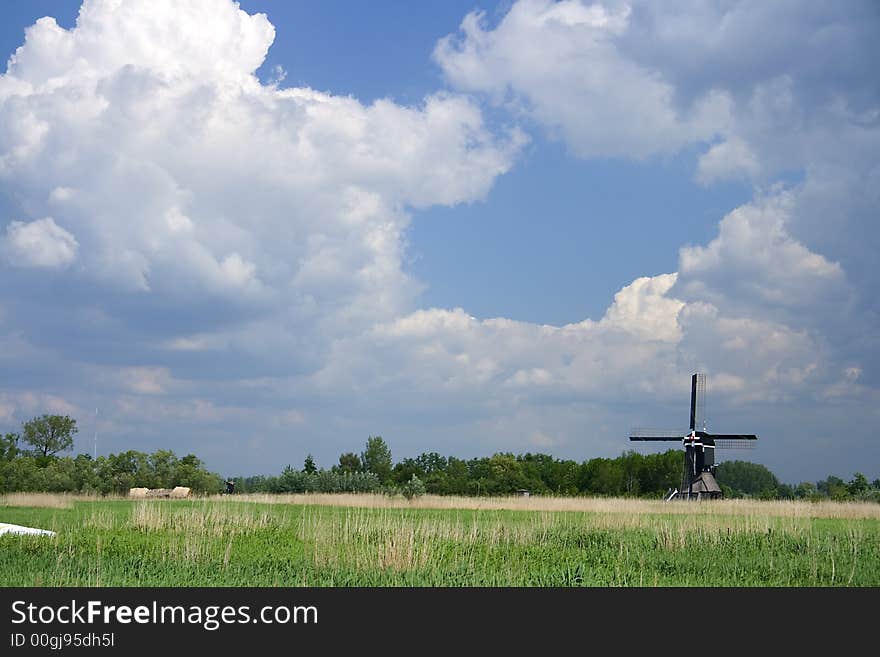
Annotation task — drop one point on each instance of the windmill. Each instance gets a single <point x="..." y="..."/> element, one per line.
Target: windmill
<point x="698" y="476"/>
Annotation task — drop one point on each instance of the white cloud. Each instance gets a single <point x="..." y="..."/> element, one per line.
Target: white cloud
<point x="209" y="41"/>
<point x="21" y="405"/>
<point x="146" y="380"/>
<point x="640" y="79"/>
<point x="61" y="194"/>
<point x="728" y="159"/>
<point x="180" y="174"/>
<point x="543" y="440"/>
<point x="6" y="411"/>
<point x="754" y="266"/>
<point x="560" y="64"/>
<point x="643" y="309"/>
<point x="40" y="243"/>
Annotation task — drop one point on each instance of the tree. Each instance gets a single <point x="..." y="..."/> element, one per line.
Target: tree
<point x="309" y="466"/>
<point x="9" y="446"/>
<point x="752" y="479"/>
<point x="602" y="476"/>
<point x="833" y="487"/>
<point x="431" y="462"/>
<point x="506" y="474"/>
<point x="50" y="434"/>
<point x="404" y="470"/>
<point x="858" y="486"/>
<point x="807" y="490"/>
<point x="376" y="458"/>
<point x="349" y="462"/>
<point x="413" y="488"/>
<point x="162" y="463"/>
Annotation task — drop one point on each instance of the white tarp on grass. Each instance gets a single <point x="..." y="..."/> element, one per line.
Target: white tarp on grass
<point x="6" y="528"/>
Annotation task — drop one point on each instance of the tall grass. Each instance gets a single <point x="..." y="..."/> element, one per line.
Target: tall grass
<point x="362" y="540"/>
<point x="790" y="508"/>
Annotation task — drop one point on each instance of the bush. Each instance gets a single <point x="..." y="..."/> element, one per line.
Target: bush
<point x="413" y="488"/>
<point x="324" y="481"/>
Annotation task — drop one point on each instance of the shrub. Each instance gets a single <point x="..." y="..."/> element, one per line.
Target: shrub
<point x="413" y="488"/>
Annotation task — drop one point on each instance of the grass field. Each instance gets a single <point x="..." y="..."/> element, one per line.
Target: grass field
<point x="371" y="540"/>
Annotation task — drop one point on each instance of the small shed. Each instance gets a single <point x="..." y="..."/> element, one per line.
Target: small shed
<point x="706" y="486"/>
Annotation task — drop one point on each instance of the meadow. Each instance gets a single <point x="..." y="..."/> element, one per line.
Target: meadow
<point x="373" y="540"/>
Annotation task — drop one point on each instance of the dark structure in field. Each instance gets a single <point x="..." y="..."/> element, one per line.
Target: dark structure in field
<point x="698" y="475"/>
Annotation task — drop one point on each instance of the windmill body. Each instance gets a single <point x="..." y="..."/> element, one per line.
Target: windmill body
<point x="698" y="472"/>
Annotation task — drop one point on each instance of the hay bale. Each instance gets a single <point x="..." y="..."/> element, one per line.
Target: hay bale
<point x="178" y="492"/>
<point x="159" y="492"/>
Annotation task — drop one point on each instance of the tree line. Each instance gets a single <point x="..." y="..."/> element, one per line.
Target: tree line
<point x="632" y="474"/>
<point x="30" y="461"/>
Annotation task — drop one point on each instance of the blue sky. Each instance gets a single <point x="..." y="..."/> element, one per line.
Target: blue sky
<point x="469" y="228"/>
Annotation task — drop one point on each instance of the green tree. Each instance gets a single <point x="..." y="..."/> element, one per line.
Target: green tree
<point x="50" y="434"/>
<point x="660" y="473"/>
<point x="191" y="472"/>
<point x="506" y="474"/>
<point x="162" y="463"/>
<point x="119" y="472"/>
<point x="807" y="490"/>
<point x="431" y="462"/>
<point x="833" y="487"/>
<point x="454" y="480"/>
<point x="748" y="478"/>
<point x="349" y="462"/>
<point x="602" y="477"/>
<point x="858" y="486"/>
<point x="9" y="446"/>
<point x="785" y="492"/>
<point x="405" y="470"/>
<point x="376" y="458"/>
<point x="309" y="466"/>
<point x="413" y="488"/>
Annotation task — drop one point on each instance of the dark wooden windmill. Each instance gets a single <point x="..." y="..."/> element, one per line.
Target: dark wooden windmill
<point x="698" y="476"/>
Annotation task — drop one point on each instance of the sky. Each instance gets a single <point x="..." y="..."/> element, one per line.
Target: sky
<point x="255" y="231"/>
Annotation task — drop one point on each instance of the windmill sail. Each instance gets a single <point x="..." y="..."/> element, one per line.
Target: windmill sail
<point x="734" y="440"/>
<point x="698" y="401"/>
<point x="645" y="434"/>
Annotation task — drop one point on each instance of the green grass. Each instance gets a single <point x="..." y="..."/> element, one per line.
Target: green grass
<point x="226" y="543"/>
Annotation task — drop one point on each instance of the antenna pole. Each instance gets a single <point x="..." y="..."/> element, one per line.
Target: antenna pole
<point x="96" y="434"/>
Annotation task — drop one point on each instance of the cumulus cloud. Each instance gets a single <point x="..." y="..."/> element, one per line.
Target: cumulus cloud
<point x="181" y="175"/>
<point x="754" y="262"/>
<point x="644" y="309"/>
<point x="559" y="63"/>
<point x="146" y="380"/>
<point x="727" y="160"/>
<point x="40" y="243"/>
<point x="636" y="79"/>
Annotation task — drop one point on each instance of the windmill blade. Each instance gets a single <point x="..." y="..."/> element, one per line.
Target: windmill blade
<point x="734" y="440"/>
<point x="698" y="401"/>
<point x="643" y="434"/>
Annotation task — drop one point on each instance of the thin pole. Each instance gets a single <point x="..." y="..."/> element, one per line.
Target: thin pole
<point x="96" y="434"/>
